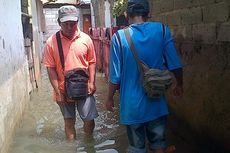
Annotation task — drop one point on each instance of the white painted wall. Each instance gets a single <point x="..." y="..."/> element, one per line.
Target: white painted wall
<point x="92" y="15"/>
<point x="107" y="14"/>
<point x="14" y="76"/>
<point x="37" y="37"/>
<point x="51" y="15"/>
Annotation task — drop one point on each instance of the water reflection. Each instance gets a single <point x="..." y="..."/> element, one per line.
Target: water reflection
<point x="42" y="127"/>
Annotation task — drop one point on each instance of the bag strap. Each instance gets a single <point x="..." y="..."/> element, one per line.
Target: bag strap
<point x="119" y="39"/>
<point x="60" y="49"/>
<point x="119" y="43"/>
<point x="163" y="27"/>
<point x="133" y="49"/>
<point x="164" y="35"/>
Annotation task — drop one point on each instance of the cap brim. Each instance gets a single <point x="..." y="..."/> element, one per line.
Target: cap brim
<point x="69" y="18"/>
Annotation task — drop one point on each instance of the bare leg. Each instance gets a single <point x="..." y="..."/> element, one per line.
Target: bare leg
<point x="169" y="149"/>
<point x="89" y="127"/>
<point x="70" y="129"/>
<point x="159" y="151"/>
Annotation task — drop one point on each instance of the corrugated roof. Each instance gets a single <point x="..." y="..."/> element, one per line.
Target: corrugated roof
<point x="67" y="1"/>
<point x="61" y="1"/>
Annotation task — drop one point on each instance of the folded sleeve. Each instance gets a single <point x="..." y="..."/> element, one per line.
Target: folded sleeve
<point x="91" y="57"/>
<point x="171" y="57"/>
<point x="115" y="61"/>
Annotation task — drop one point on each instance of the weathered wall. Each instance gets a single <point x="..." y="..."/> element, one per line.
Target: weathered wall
<point x="14" y="77"/>
<point x="99" y="12"/>
<point x="51" y="15"/>
<point x="201" y="29"/>
<point x="36" y="12"/>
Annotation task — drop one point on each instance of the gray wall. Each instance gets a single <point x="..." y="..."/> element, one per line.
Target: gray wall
<point x="51" y="15"/>
<point x="15" y="83"/>
<point x="202" y="34"/>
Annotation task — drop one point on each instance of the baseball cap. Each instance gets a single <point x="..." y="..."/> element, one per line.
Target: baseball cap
<point x="138" y="7"/>
<point x="67" y="13"/>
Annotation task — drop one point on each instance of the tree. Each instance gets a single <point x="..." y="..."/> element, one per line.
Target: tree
<point x="119" y="7"/>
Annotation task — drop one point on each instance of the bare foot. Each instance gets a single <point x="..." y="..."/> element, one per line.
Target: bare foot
<point x="170" y="149"/>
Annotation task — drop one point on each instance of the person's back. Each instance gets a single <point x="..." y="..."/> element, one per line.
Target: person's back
<point x="155" y="47"/>
<point x="148" y="40"/>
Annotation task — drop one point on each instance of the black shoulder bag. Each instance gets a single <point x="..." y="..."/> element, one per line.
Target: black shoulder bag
<point x="76" y="80"/>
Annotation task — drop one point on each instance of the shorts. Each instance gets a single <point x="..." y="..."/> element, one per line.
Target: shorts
<point x="86" y="108"/>
<point x="155" y="132"/>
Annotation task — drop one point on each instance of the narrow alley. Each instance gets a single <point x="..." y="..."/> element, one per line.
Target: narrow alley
<point x="199" y="32"/>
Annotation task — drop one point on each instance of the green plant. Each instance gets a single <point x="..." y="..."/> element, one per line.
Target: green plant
<point x="119" y="7"/>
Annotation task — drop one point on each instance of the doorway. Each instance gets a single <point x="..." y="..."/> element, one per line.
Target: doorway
<point x="86" y="23"/>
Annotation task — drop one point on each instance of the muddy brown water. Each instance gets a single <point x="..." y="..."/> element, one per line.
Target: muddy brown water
<point x="42" y="127"/>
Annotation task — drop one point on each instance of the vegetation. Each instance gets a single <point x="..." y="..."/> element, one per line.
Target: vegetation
<point x="119" y="7"/>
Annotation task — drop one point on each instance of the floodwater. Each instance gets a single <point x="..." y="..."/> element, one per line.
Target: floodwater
<point x="42" y="127"/>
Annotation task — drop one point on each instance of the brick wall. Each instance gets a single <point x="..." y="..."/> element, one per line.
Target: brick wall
<point x="201" y="29"/>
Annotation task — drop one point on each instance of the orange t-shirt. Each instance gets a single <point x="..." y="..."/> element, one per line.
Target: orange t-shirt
<point x="78" y="53"/>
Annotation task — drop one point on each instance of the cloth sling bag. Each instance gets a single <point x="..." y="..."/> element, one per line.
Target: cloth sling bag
<point x="155" y="81"/>
<point x="76" y="80"/>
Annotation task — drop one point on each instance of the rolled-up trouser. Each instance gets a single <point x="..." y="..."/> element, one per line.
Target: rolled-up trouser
<point x="155" y="132"/>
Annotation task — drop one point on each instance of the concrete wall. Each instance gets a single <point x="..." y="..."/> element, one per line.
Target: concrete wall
<point x="108" y="14"/>
<point x="101" y="10"/>
<point x="202" y="34"/>
<point x="36" y="11"/>
<point x="51" y="15"/>
<point x="14" y="76"/>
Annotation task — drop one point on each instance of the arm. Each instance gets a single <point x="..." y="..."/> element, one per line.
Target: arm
<point x="173" y="62"/>
<point x="91" y="58"/>
<point x="91" y="83"/>
<point x="114" y="71"/>
<point x="54" y="82"/>
<point x="178" y="89"/>
<point x="110" y="102"/>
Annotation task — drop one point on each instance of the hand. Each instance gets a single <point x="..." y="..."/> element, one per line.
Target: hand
<point x="91" y="88"/>
<point x="60" y="97"/>
<point x="109" y="104"/>
<point x="178" y="91"/>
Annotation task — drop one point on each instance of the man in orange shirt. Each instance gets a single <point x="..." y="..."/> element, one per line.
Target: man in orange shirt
<point x="78" y="52"/>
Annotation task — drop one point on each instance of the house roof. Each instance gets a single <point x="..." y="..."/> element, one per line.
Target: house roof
<point x="60" y="2"/>
<point x="66" y="1"/>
